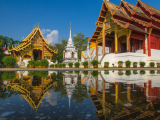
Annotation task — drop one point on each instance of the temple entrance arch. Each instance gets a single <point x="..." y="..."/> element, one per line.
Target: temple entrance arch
<point x="122" y="44"/>
<point x="37" y="54"/>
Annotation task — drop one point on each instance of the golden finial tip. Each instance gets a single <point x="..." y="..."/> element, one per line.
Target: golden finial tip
<point x="70" y="25"/>
<point x="38" y="25"/>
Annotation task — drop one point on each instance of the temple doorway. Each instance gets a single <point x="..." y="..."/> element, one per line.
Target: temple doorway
<point x="72" y="54"/>
<point x="123" y="47"/>
<point x="37" y="54"/>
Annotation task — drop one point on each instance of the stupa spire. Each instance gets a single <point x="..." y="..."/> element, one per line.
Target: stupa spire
<point x="70" y="30"/>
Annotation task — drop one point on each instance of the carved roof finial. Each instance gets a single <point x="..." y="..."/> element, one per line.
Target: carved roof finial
<point x="38" y="25"/>
<point x="70" y="25"/>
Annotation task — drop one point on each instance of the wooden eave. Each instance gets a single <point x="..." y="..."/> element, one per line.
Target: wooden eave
<point x="118" y="11"/>
<point x="128" y="25"/>
<point x="142" y="14"/>
<point x="146" y="24"/>
<point x="157" y="20"/>
<point x="148" y="8"/>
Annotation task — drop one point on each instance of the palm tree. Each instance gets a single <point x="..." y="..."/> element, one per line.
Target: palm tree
<point x="17" y="42"/>
<point x="6" y="41"/>
<point x="2" y="40"/>
<point x="11" y="42"/>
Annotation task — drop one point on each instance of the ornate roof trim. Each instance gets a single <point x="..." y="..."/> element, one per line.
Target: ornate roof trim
<point x="138" y="11"/>
<point x="147" y="9"/>
<point x="27" y="42"/>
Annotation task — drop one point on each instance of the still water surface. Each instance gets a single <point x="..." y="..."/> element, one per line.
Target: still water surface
<point x="79" y="95"/>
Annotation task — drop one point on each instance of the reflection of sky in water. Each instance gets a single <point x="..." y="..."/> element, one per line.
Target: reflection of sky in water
<point x="121" y="98"/>
<point x="52" y="98"/>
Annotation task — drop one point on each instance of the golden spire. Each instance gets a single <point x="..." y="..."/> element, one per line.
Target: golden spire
<point x="38" y="25"/>
<point x="70" y="25"/>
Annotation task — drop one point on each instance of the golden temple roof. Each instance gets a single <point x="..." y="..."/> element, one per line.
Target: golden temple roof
<point x="27" y="41"/>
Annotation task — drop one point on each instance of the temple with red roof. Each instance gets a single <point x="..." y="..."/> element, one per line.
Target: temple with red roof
<point x="128" y="31"/>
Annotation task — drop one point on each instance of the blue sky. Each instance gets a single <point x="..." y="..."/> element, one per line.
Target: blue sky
<point x="18" y="17"/>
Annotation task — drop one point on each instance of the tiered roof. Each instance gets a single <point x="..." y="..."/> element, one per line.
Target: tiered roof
<point x="128" y="16"/>
<point x="28" y="41"/>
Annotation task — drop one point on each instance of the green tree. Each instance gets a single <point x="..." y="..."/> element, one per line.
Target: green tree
<point x="1" y="52"/>
<point x="80" y="42"/>
<point x="60" y="47"/>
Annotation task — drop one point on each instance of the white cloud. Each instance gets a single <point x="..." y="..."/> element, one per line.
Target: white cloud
<point x="43" y="31"/>
<point x="50" y="35"/>
<point x="52" y="98"/>
<point x="48" y="30"/>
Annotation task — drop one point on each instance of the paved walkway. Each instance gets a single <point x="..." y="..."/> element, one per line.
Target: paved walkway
<point x="73" y="69"/>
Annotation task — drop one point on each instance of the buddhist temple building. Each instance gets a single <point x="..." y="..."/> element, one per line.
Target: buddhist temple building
<point x="130" y="32"/>
<point x="32" y="88"/>
<point x="34" y="47"/>
<point x="116" y="98"/>
<point x="70" y="53"/>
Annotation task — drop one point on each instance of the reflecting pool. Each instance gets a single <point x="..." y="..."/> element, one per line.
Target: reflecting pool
<point x="78" y="95"/>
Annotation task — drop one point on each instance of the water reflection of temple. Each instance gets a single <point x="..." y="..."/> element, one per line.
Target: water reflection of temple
<point x="32" y="88"/>
<point x="115" y="97"/>
<point x="70" y="81"/>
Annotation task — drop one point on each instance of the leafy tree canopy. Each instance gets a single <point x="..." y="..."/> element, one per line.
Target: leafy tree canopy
<point x="80" y="42"/>
<point x="60" y="47"/>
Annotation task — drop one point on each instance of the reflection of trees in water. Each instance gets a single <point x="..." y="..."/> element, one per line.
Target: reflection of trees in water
<point x="80" y="92"/>
<point x="6" y="93"/>
<point x="8" y="75"/>
<point x="38" y="73"/>
<point x="59" y="79"/>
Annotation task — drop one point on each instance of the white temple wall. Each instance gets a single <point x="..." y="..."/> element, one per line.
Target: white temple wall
<point x="133" y="57"/>
<point x="155" y="53"/>
<point x="75" y="55"/>
<point x="108" y="58"/>
<point x="114" y="58"/>
<point x="139" y="51"/>
<point x="132" y="79"/>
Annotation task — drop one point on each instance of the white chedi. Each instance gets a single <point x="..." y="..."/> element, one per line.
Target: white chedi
<point x="70" y="53"/>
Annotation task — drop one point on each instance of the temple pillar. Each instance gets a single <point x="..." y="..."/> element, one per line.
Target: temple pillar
<point x="104" y="97"/>
<point x="128" y="40"/>
<point x="144" y="52"/>
<point x="96" y="87"/>
<point x="116" y="92"/>
<point x="146" y="43"/>
<point x="42" y="50"/>
<point x="116" y="40"/>
<point x="149" y="42"/>
<point x="104" y="38"/>
<point x="128" y="92"/>
<point x="96" y="47"/>
<point x="30" y="83"/>
<point x="31" y="53"/>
